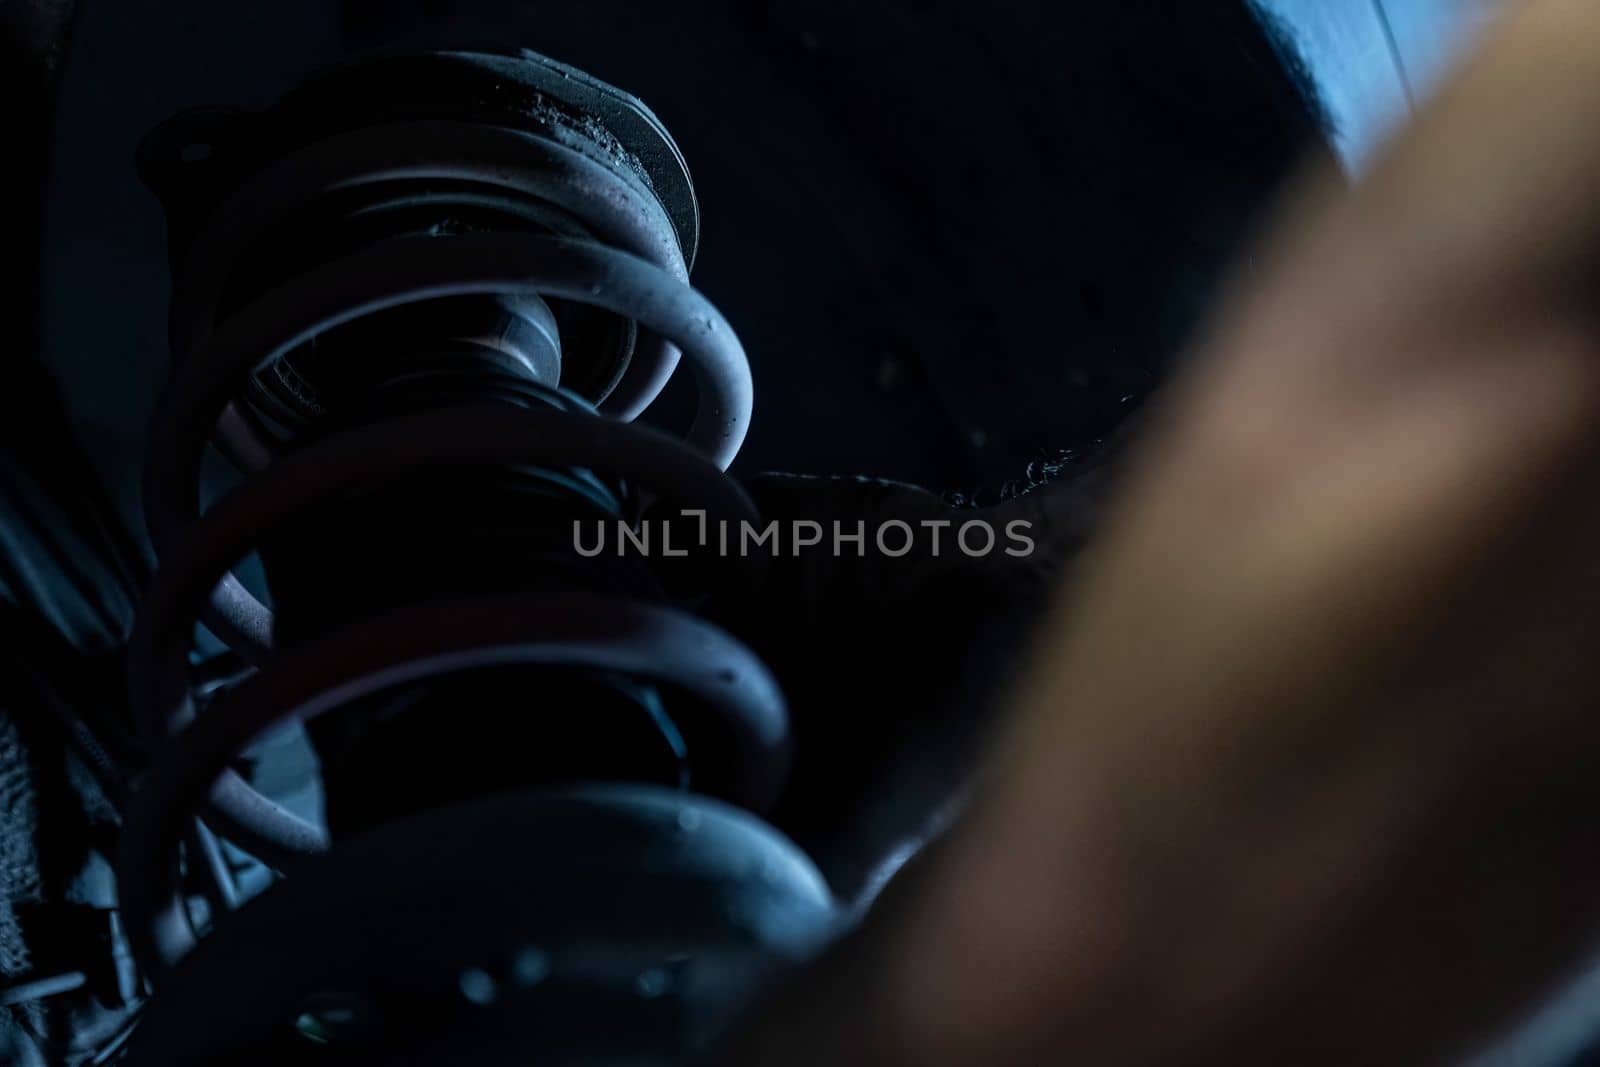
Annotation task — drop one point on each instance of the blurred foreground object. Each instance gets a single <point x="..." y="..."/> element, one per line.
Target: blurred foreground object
<point x="1306" y="767"/>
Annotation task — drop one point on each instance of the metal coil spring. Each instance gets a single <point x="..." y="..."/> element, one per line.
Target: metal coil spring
<point x="551" y="222"/>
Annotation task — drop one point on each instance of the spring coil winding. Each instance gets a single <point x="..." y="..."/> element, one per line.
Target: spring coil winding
<point x="404" y="292"/>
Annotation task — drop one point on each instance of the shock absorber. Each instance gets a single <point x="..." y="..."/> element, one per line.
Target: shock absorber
<point x="418" y="304"/>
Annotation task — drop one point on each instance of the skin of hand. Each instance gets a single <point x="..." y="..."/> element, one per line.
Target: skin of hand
<point x="1307" y="768"/>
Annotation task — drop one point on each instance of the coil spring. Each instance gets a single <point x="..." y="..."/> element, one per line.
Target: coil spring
<point x="364" y="228"/>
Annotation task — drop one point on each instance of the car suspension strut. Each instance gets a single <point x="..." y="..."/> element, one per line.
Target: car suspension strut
<point x="417" y="306"/>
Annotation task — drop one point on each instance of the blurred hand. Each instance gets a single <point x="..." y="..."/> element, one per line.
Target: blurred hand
<point x="1307" y="766"/>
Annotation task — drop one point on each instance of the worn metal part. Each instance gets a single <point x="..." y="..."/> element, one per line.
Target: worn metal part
<point x="418" y="269"/>
<point x="418" y="303"/>
<point x="560" y="928"/>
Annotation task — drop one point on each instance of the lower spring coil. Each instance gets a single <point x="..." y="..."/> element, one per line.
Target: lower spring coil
<point x="375" y="312"/>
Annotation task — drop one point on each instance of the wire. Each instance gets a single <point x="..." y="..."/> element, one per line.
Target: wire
<point x="1393" y="44"/>
<point x="40" y="988"/>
